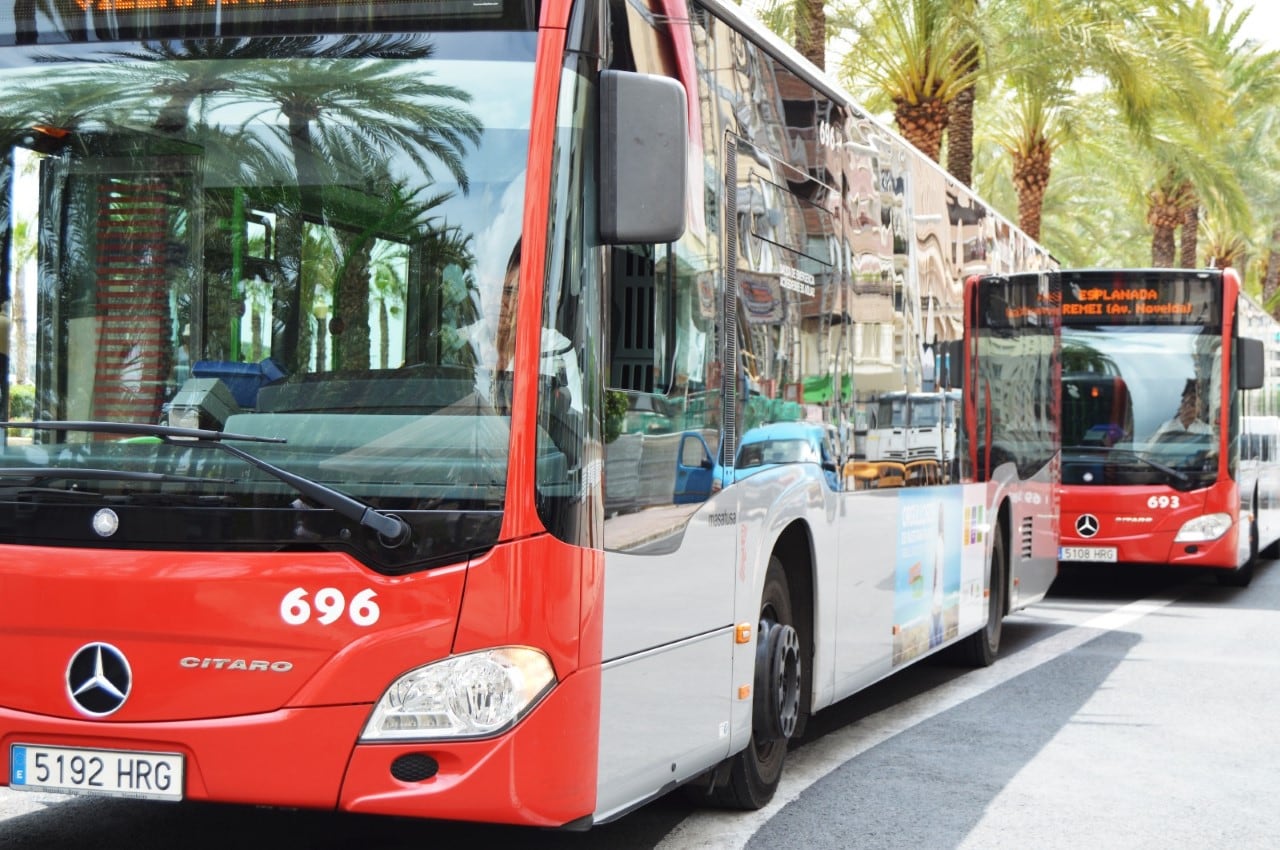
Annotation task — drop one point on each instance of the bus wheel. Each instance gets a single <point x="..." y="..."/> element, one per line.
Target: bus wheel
<point x="980" y="648"/>
<point x="755" y="772"/>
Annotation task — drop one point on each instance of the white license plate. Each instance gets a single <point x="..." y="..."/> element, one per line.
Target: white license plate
<point x="1105" y="554"/>
<point x="116" y="773"/>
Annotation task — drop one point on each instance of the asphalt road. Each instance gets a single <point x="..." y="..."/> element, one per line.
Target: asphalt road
<point x="1126" y="711"/>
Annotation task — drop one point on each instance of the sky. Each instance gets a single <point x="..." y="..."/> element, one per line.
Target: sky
<point x="1263" y="23"/>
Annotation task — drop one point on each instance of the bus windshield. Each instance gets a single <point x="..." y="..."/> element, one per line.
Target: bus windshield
<point x="1139" y="402"/>
<point x="311" y="239"/>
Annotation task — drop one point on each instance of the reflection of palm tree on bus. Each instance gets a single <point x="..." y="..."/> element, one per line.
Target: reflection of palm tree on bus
<point x="387" y="262"/>
<point x="341" y="116"/>
<point x="348" y="109"/>
<point x="24" y="251"/>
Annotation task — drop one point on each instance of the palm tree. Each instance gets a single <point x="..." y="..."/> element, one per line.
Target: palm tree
<point x="1190" y="234"/>
<point x="342" y="116"/>
<point x="347" y="111"/>
<point x="1271" y="274"/>
<point x="320" y="264"/>
<point x="457" y="295"/>
<point x="1035" y="128"/>
<point x="24" y="251"/>
<point x="960" y="118"/>
<point x="811" y="31"/>
<point x="1108" y="159"/>
<point x="908" y="55"/>
<point x="1224" y="245"/>
<point x="960" y="129"/>
<point x="1249" y="144"/>
<point x="387" y="265"/>
<point x="355" y="274"/>
<point x="1167" y="204"/>
<point x="803" y="23"/>
<point x="1192" y="168"/>
<point x="1094" y="208"/>
<point x="1043" y="55"/>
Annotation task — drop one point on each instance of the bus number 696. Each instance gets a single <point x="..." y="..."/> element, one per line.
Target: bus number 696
<point x="329" y="605"/>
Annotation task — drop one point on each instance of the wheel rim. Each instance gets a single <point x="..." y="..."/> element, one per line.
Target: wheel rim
<point x="777" y="691"/>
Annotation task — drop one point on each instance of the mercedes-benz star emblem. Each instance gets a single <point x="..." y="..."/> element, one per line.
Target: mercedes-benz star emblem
<point x="1086" y="525"/>
<point x="106" y="522"/>
<point x="98" y="679"/>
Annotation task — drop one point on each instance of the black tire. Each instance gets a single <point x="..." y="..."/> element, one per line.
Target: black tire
<point x="1243" y="574"/>
<point x="753" y="774"/>
<point x="981" y="648"/>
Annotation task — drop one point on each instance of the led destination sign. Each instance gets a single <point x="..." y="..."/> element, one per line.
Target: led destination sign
<point x="1017" y="301"/>
<point x="1140" y="298"/>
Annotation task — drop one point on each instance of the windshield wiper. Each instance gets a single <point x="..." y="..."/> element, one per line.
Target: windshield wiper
<point x="47" y="473"/>
<point x="1176" y="474"/>
<point x="392" y="530"/>
<point x="141" y="429"/>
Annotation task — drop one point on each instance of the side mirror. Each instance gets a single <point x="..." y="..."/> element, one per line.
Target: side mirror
<point x="1251" y="363"/>
<point x="644" y="142"/>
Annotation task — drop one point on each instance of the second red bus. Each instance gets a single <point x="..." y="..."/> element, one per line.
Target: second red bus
<point x="1158" y="371"/>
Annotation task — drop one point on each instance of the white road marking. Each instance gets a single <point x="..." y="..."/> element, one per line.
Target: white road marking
<point x="15" y="803"/>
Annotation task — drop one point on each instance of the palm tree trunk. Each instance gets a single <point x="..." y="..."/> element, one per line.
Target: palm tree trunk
<point x="1164" y="248"/>
<point x="352" y="303"/>
<point x="960" y="122"/>
<point x="255" y="331"/>
<point x="1166" y="210"/>
<point x="322" y="354"/>
<point x="960" y="137"/>
<point x="1271" y="279"/>
<point x="293" y="300"/>
<point x="1190" y="237"/>
<point x="18" y="332"/>
<point x="1031" y="169"/>
<point x="811" y="31"/>
<point x="384" y="327"/>
<point x="291" y="337"/>
<point x="922" y="124"/>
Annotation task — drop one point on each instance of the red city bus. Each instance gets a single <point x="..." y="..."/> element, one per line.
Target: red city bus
<point x="1159" y="369"/>
<point x="378" y="387"/>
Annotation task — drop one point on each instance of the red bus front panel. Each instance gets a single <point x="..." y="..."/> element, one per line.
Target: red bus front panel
<point x="1138" y="525"/>
<point x="1150" y="418"/>
<point x="251" y="669"/>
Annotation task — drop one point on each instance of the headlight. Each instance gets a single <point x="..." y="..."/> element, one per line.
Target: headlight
<point x="1204" y="528"/>
<point x="468" y="696"/>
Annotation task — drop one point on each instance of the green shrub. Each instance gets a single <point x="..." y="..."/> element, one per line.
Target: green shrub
<point x="22" y="401"/>
<point x="615" y="410"/>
